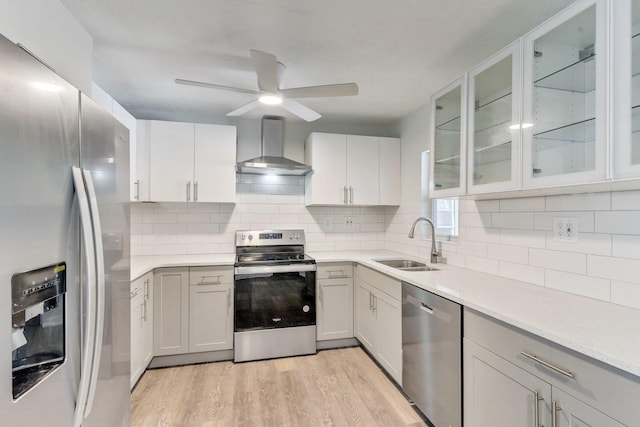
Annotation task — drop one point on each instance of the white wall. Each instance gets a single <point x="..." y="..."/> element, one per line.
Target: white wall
<point x="49" y="31"/>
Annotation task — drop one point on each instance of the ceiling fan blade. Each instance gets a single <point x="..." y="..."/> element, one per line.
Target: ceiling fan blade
<point x="266" y="66"/>
<point x="300" y="110"/>
<point x="245" y="108"/>
<point x="341" y="89"/>
<point x="214" y="86"/>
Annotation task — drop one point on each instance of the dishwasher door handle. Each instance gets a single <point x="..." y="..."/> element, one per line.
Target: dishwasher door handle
<point x="422" y="306"/>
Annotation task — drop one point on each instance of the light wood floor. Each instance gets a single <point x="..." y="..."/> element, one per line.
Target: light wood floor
<point x="342" y="387"/>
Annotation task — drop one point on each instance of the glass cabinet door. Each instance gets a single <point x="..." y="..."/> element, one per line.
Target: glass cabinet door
<point x="494" y="122"/>
<point x="625" y="129"/>
<point x="565" y="106"/>
<point x="448" y="119"/>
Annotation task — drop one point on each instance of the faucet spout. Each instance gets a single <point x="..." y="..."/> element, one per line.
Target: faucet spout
<point x="435" y="255"/>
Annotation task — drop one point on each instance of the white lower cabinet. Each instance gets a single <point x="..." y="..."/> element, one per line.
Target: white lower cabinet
<point x="210" y="310"/>
<point x="193" y="310"/>
<point x="552" y="386"/>
<point x="379" y="318"/>
<point x="334" y="301"/>
<point x="141" y="325"/>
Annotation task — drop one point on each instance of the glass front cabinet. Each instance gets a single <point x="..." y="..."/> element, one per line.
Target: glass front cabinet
<point x="625" y="87"/>
<point x="565" y="109"/>
<point x="448" y="134"/>
<point x="494" y="123"/>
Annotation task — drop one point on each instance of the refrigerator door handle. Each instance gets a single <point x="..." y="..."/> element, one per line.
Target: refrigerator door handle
<point x="88" y="245"/>
<point x="100" y="288"/>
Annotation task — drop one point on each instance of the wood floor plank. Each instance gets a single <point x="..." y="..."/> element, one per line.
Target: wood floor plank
<point x="341" y="387"/>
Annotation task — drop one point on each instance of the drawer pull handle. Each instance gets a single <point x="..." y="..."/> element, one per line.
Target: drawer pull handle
<point x="210" y="280"/>
<point x="336" y="273"/>
<point x="547" y="364"/>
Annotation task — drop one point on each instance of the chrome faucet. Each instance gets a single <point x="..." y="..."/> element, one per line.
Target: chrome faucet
<point x="435" y="255"/>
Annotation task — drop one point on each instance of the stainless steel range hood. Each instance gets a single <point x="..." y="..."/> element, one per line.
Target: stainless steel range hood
<point x="272" y="160"/>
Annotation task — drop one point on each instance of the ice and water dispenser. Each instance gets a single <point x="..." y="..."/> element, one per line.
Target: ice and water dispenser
<point x="37" y="320"/>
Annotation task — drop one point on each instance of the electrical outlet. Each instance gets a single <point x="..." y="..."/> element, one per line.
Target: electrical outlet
<point x="565" y="229"/>
<point x="348" y="222"/>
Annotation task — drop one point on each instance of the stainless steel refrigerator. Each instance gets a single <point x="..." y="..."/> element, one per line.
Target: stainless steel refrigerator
<point x="64" y="244"/>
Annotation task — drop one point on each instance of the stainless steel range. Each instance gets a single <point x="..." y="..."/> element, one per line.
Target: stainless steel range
<point x="275" y="303"/>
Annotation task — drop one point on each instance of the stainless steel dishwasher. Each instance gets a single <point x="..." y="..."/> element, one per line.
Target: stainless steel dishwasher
<point x="432" y="355"/>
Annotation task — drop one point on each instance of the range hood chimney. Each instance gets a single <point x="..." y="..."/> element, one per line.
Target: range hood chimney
<point x="272" y="160"/>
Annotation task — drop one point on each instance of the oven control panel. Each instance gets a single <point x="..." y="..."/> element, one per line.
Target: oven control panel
<point x="269" y="237"/>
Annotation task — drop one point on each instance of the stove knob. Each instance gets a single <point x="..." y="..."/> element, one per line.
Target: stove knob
<point x="297" y="237"/>
<point x="242" y="236"/>
<point x="250" y="236"/>
<point x="290" y="236"/>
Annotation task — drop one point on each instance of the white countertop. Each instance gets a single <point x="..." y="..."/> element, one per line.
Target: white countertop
<point x="603" y="331"/>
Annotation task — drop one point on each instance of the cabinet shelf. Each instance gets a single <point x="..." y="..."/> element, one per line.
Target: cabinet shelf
<point x="577" y="77"/>
<point x="452" y="160"/>
<point x="582" y="131"/>
<point x="493" y="113"/>
<point x="451" y="125"/>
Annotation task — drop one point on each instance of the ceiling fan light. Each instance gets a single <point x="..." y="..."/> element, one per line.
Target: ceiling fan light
<point x="270" y="99"/>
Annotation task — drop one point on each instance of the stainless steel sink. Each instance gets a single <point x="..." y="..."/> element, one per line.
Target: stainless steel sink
<point x="405" y="264"/>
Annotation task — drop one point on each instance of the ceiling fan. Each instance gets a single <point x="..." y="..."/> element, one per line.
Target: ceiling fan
<point x="269" y="72"/>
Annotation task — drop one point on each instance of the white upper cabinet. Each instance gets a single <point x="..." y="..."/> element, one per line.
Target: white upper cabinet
<point x="191" y="162"/>
<point x="363" y="182"/>
<point x="448" y="136"/>
<point x="625" y="87"/>
<point x="352" y="170"/>
<point x="214" y="163"/>
<point x="494" y="122"/>
<point x="566" y="98"/>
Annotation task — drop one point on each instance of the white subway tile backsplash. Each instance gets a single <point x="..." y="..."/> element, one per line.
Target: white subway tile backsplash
<point x="170" y="249"/>
<point x="627" y="294"/>
<point x="578" y="284"/>
<point x="518" y="220"/>
<point x="580" y="202"/>
<point x="475" y="219"/>
<point x="478" y="249"/>
<point x="485" y="265"/>
<point x="513" y="254"/>
<point x="618" y="222"/>
<point x="193" y="218"/>
<point x="170" y="228"/>
<point x="589" y="243"/>
<point x="477" y="234"/>
<point x="525" y="273"/>
<point x="159" y="218"/>
<point x="625" y="201"/>
<point x="626" y="246"/>
<point x="619" y="269"/>
<point x="524" y="238"/>
<point x="531" y="204"/>
<point x="556" y="260"/>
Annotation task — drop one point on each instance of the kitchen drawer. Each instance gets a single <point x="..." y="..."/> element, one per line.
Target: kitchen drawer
<point x="334" y="270"/>
<point x="210" y="275"/>
<point x="386" y="284"/>
<point x="601" y="386"/>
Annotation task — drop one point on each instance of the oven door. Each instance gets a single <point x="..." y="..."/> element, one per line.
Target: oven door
<point x="278" y="296"/>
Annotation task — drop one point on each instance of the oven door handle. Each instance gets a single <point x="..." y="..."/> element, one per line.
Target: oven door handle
<point x="266" y="269"/>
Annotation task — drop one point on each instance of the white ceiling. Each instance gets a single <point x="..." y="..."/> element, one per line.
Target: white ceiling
<point x="398" y="52"/>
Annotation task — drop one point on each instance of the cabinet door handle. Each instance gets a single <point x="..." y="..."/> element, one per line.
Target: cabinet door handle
<point x="547" y="364"/>
<point x="136" y="196"/>
<point x="554" y="408"/>
<point x="370" y="301"/>
<point x="350" y="195"/>
<point x="536" y="406"/>
<point x="146" y="289"/>
<point x="144" y="310"/>
<point x="375" y="303"/>
<point x="228" y="301"/>
<point x="344" y="192"/>
<point x="195" y="191"/>
<point x="188" y="191"/>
